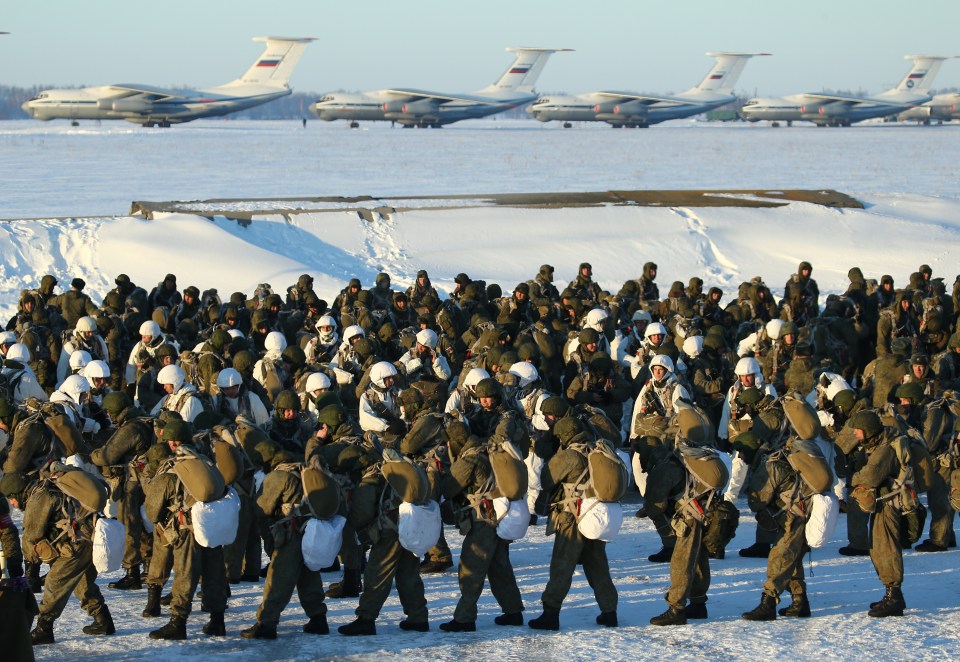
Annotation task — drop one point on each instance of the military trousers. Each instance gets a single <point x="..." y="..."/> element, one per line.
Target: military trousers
<point x="73" y="572"/>
<point x="885" y="551"/>
<point x="286" y="573"/>
<point x="236" y="552"/>
<point x="689" y="567"/>
<point x="390" y="563"/>
<point x="194" y="564"/>
<point x="941" y="513"/>
<point x="569" y="548"/>
<point x="785" y="563"/>
<point x="161" y="561"/>
<point x="485" y="555"/>
<point x="132" y="523"/>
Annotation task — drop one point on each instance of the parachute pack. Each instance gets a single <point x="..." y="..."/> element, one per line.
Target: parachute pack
<point x="806" y="459"/>
<point x="594" y="497"/>
<point x="228" y="454"/>
<point x="802" y="417"/>
<point x="200" y="477"/>
<point x="321" y="492"/>
<point x="705" y="466"/>
<point x="407" y="479"/>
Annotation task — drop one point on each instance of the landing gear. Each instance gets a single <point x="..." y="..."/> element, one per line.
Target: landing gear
<point x="776" y="125"/>
<point x="74" y="123"/>
<point x="354" y="125"/>
<point x="567" y="125"/>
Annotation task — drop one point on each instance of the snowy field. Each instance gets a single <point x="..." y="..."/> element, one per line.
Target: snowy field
<point x="906" y="177"/>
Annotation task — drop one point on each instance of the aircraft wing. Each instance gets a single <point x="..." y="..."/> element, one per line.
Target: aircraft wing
<point x="443" y="98"/>
<point x="160" y="93"/>
<point x="647" y="99"/>
<point x="856" y="100"/>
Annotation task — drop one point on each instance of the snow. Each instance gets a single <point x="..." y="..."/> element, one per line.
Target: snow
<point x="77" y="184"/>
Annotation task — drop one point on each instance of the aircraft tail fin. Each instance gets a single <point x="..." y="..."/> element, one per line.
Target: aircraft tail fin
<point x="521" y="76"/>
<point x="921" y="74"/>
<point x="275" y="65"/>
<point x="725" y="72"/>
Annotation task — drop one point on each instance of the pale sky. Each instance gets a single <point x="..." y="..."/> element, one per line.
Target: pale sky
<point x="458" y="46"/>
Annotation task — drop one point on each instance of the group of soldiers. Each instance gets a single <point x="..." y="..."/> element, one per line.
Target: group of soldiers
<point x="128" y="388"/>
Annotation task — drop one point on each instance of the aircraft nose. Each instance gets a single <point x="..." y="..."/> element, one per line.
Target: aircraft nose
<point x="27" y="107"/>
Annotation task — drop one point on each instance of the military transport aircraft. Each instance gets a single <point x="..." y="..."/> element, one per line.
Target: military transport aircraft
<point x="842" y="110"/>
<point x="266" y="80"/>
<point x="942" y="108"/>
<point x="422" y="108"/>
<point x="627" y="109"/>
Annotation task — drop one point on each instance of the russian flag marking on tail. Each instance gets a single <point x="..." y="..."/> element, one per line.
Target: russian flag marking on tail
<point x="519" y="70"/>
<point x="268" y="63"/>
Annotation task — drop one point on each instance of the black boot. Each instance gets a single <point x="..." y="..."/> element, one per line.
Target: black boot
<point x="663" y="556"/>
<point x="259" y="631"/>
<point x="435" y="565"/>
<point x="415" y="626"/>
<point x="43" y="633"/>
<point x="175" y="629"/>
<point x="215" y="626"/>
<point x="799" y="608"/>
<point x="765" y="611"/>
<point x="317" y="625"/>
<point x="129" y="582"/>
<point x="167" y="599"/>
<point x="892" y="604"/>
<point x="457" y="626"/>
<point x="152" y="610"/>
<point x="672" y="616"/>
<point x="608" y="619"/>
<point x="758" y="550"/>
<point x="32" y="573"/>
<point x="359" y="628"/>
<point x="509" y="619"/>
<point x="548" y="620"/>
<point x="348" y="587"/>
<point x="102" y="623"/>
<point x="850" y="550"/>
<point x="696" y="611"/>
<point x="930" y="546"/>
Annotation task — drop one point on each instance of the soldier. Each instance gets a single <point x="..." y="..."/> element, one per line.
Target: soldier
<point x="379" y="411"/>
<point x="166" y="499"/>
<point x="420" y="289"/>
<point x="872" y="481"/>
<point x="122" y="459"/>
<point x="583" y="286"/>
<point x="63" y="527"/>
<point x="600" y="386"/>
<point x="649" y="292"/>
<point x="181" y="395"/>
<point x="84" y="337"/>
<point x="803" y="294"/>
<point x="373" y="513"/>
<point x="290" y="427"/>
<point x="570" y="547"/>
<point x="775" y="489"/>
<point x="278" y="509"/>
<point x="233" y="399"/>
<point x="544" y="280"/>
<point x="658" y="400"/>
<point x="21" y="381"/>
<point x="74" y="304"/>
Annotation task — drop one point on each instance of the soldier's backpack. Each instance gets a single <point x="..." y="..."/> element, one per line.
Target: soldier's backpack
<point x="509" y="471"/>
<point x="270" y="378"/>
<point x="407" y="479"/>
<point x="594" y="496"/>
<point x="705" y="467"/>
<point x="83" y="487"/>
<point x="321" y="492"/>
<point x="938" y="423"/>
<point x="322" y="539"/>
<point x="803" y="418"/>
<point x="820" y="507"/>
<point x="598" y="423"/>
<point x="200" y="477"/>
<point x="215" y="523"/>
<point x="109" y="542"/>
<point x="695" y="426"/>
<point x="228" y="455"/>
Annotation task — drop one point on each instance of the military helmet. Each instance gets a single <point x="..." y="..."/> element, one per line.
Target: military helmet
<point x="114" y="403"/>
<point x="286" y="399"/>
<point x="317" y="381"/>
<point x="749" y="396"/>
<point x="220" y="338"/>
<point x="86" y="324"/>
<point x="588" y="336"/>
<point x="868" y="421"/>
<point x="166" y="349"/>
<point x="746" y="441"/>
<point x="332" y="416"/>
<point x="788" y="329"/>
<point x="487" y="388"/>
<point x="294" y="356"/>
<point x="13" y="484"/>
<point x="567" y="428"/>
<point x="411" y="399"/>
<point x="177" y="430"/>
<point x="554" y="406"/>
<point x="844" y="401"/>
<point x="911" y="391"/>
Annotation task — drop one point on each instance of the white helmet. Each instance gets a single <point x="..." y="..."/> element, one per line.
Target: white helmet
<point x="75" y="386"/>
<point x="85" y="324"/>
<point x="229" y="377"/>
<point x="18" y="352"/>
<point x="380" y="371"/>
<point x="474" y="376"/>
<point x="654" y="329"/>
<point x="8" y="338"/>
<point x="353" y="331"/>
<point x="316" y="381"/>
<point x="96" y="370"/>
<point x="236" y="333"/>
<point x="275" y="342"/>
<point x="150" y="328"/>
<point x="747" y="366"/>
<point x="171" y="374"/>
<point x="595" y="319"/>
<point x="327" y="336"/>
<point x="773" y="328"/>
<point x="526" y="372"/>
<point x="427" y="338"/>
<point x="641" y="316"/>
<point x="78" y="359"/>
<point x="692" y="346"/>
<point x="663" y="361"/>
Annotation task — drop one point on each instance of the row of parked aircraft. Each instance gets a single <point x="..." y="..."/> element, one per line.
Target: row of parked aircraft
<point x="268" y="79"/>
